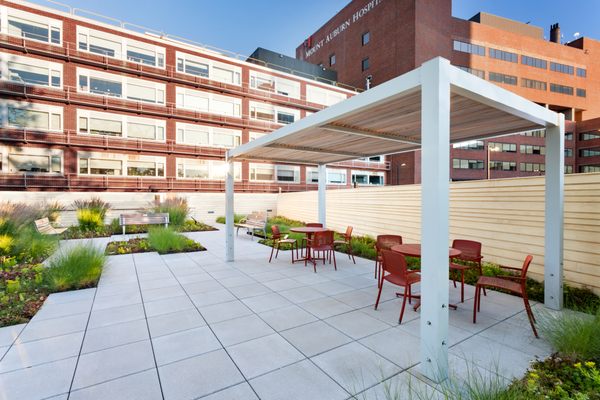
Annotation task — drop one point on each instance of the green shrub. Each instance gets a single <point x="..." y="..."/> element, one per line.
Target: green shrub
<point x="78" y="268"/>
<point x="52" y="210"/>
<point x="95" y="204"/>
<point x="574" y="335"/>
<point x="16" y="216"/>
<point x="32" y="246"/>
<point x="6" y="243"/>
<point x="165" y="240"/>
<point x="90" y="220"/>
<point x="236" y="218"/>
<point x="176" y="207"/>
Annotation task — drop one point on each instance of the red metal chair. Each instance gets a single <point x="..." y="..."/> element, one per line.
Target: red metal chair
<point x="471" y="253"/>
<point x="398" y="274"/>
<point x="347" y="241"/>
<point x="384" y="242"/>
<point x="322" y="242"/>
<point x="513" y="284"/>
<point x="278" y="240"/>
<point x="310" y="225"/>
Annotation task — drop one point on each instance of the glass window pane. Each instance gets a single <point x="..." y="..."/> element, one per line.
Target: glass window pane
<point x="24" y="73"/>
<point x="221" y="74"/>
<point x="105" y="167"/>
<point x="142" y="56"/>
<point x="28" y="163"/>
<point x="21" y="118"/>
<point x="100" y="126"/>
<point x="55" y="120"/>
<point x="195" y="68"/>
<point x="105" y="47"/>
<point x="143" y="93"/>
<point x="27" y="29"/>
<point x="141" y="168"/>
<point x="105" y="87"/>
<point x="141" y="131"/>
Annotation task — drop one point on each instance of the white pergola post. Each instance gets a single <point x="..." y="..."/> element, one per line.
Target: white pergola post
<point x="229" y="215"/>
<point x="435" y="175"/>
<point x="323" y="194"/>
<point x="553" y="238"/>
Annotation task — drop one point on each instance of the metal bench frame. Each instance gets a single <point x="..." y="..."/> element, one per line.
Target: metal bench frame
<point x="143" y="219"/>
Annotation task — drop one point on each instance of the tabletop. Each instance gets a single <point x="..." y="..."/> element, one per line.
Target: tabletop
<point x="307" y="229"/>
<point x="414" y="250"/>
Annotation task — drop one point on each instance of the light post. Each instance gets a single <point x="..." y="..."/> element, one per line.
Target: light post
<point x="489" y="155"/>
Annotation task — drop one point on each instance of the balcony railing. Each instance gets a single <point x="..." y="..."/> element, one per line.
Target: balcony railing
<point x="75" y="182"/>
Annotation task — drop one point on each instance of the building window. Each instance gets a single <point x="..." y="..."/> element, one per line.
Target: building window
<point x="332" y="60"/>
<point x="95" y="82"/>
<point x="568" y="152"/>
<point x="533" y="84"/>
<point x="287" y="173"/>
<point x="504" y="55"/>
<point x="469" y="48"/>
<point x="274" y="84"/>
<point x="589" y="168"/>
<point x="502" y="78"/>
<point x="532" y="149"/>
<point x="581" y="92"/>
<point x="534" y="62"/>
<point x="277" y="173"/>
<point x="458" y="163"/>
<point x="30" y="71"/>
<point x="503" y="147"/>
<point x="568" y="169"/>
<point x="470" y="145"/>
<point x="34" y="27"/>
<point x="532" y="167"/>
<point x="31" y="116"/>
<point x="323" y="96"/>
<point x="569" y="136"/>
<point x="503" y="165"/>
<point x="334" y="176"/>
<point x="362" y="178"/>
<point x="477" y="72"/>
<point x="200" y="135"/>
<point x="561" y="89"/>
<point x="541" y="133"/>
<point x="205" y="68"/>
<point x="562" y="68"/>
<point x="208" y="102"/>
<point x="206" y="169"/>
<point x="589" y="152"/>
<point x="589" y="135"/>
<point x="365" y="64"/>
<point x="581" y="72"/>
<point x="120" y="165"/>
<point x="107" y="124"/>
<point x="366" y="38"/>
<point x="270" y="113"/>
<point x="32" y="160"/>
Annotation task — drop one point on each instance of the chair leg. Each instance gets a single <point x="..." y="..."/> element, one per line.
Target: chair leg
<point x="378" y="297"/>
<point x="292" y="251"/>
<point x="477" y="288"/>
<point x="334" y="263"/>
<point x="479" y="298"/>
<point x="277" y="252"/>
<point x="409" y="294"/>
<point x="351" y="251"/>
<point x="462" y="285"/>
<point x="403" y="304"/>
<point x="272" y="248"/>
<point x="481" y="274"/>
<point x="530" y="315"/>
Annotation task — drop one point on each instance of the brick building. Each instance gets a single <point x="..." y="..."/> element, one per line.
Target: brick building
<point x="88" y="105"/>
<point x="371" y="41"/>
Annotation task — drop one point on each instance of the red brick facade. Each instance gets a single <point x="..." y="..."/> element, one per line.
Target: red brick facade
<point x="405" y="33"/>
<point x="72" y="100"/>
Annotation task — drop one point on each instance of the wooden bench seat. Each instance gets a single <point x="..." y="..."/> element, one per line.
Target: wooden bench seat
<point x="256" y="221"/>
<point x="144" y="219"/>
<point x="44" y="227"/>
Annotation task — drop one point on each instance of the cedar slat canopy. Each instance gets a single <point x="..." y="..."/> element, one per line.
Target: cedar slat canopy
<point x="428" y="108"/>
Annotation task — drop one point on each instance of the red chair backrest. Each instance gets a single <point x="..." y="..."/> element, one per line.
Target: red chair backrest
<point x="276" y="233"/>
<point x="322" y="239"/>
<point x="394" y="263"/>
<point x="526" y="264"/>
<point x="348" y="234"/>
<point x="470" y="250"/>
<point x="314" y="225"/>
<point x="385" y="242"/>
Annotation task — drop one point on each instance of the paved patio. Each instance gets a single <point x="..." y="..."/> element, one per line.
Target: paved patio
<point x="190" y="326"/>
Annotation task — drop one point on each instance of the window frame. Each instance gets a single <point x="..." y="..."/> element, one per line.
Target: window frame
<point x="51" y="110"/>
<point x="51" y="24"/>
<point x="51" y="67"/>
<point x="124" y="159"/>
<point x="125" y="120"/>
<point x="125" y="82"/>
<point x="210" y="130"/>
<point x="185" y="57"/>
<point x="6" y="151"/>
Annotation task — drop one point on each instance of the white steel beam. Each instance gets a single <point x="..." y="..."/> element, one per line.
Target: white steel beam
<point x="229" y="215"/>
<point x="370" y="134"/>
<point x="553" y="238"/>
<point x="435" y="176"/>
<point x="323" y="194"/>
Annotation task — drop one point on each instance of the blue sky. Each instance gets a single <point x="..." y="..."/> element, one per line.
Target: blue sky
<point x="241" y="26"/>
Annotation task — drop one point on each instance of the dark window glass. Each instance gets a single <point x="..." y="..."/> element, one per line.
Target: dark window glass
<point x="101" y="50"/>
<point x="108" y="88"/>
<point x="507" y="79"/>
<point x="366" y="38"/>
<point x="365" y="64"/>
<point x="285" y="118"/>
<point x="28" y="31"/>
<point x="503" y="55"/>
<point x="581" y="72"/>
<point x="141" y="58"/>
<point x="561" y="89"/>
<point x="581" y="92"/>
<point x="332" y="60"/>
<point x="562" y="68"/>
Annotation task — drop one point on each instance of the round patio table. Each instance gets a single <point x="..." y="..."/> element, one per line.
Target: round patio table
<point x="414" y="250"/>
<point x="308" y="231"/>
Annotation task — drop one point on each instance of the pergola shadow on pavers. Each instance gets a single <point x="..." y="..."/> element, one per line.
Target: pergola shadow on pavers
<point x="192" y="325"/>
<point x="428" y="108"/>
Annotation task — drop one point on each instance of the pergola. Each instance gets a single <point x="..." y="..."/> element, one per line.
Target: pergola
<point x="428" y="108"/>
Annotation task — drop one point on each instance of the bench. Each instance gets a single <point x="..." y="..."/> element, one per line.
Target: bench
<point x="253" y="222"/>
<point x="43" y="226"/>
<point x="144" y="219"/>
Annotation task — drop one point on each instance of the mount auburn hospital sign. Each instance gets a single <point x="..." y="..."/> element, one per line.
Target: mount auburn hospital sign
<point x="311" y="47"/>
